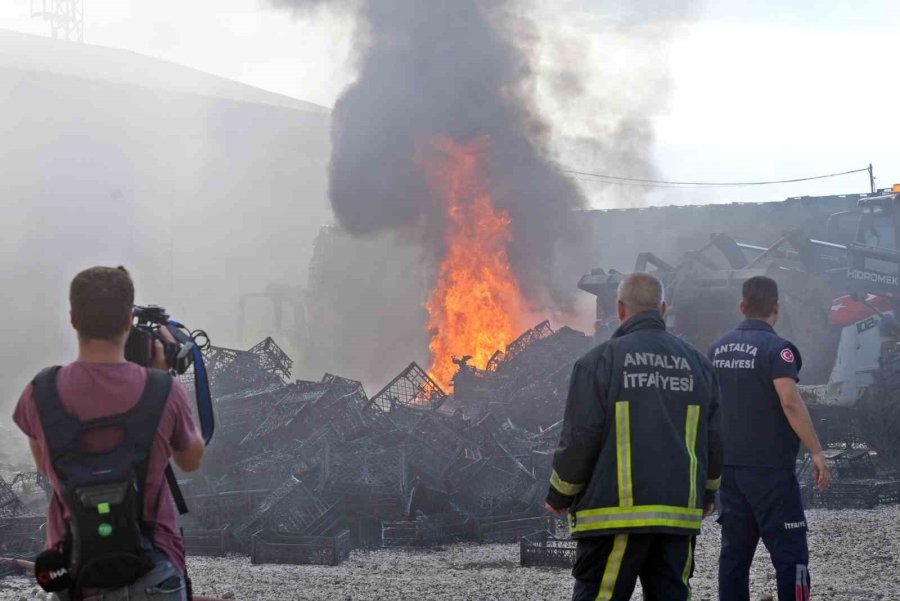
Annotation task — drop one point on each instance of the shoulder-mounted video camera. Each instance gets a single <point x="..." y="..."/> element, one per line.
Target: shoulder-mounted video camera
<point x="180" y="355"/>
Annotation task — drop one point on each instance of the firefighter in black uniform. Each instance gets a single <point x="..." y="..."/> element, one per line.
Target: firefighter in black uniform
<point x="639" y="456"/>
<point x="763" y="421"/>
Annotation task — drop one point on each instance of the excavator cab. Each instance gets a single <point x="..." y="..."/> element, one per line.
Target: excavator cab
<point x="880" y="222"/>
<point x="862" y="253"/>
<point x="875" y="222"/>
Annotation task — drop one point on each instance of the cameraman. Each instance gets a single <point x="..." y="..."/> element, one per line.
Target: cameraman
<point x="100" y="384"/>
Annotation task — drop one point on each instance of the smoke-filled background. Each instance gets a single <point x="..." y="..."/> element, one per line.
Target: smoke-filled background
<point x="214" y="193"/>
<point x="206" y="190"/>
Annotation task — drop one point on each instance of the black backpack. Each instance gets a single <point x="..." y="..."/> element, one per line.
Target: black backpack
<point x="108" y="544"/>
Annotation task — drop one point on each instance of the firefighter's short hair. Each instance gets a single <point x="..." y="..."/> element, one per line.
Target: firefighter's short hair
<point x="640" y="292"/>
<point x="760" y="294"/>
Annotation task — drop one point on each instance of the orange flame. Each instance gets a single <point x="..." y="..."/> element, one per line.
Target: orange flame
<point x="475" y="306"/>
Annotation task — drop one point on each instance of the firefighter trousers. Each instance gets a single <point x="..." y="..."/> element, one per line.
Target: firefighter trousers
<point x="762" y="503"/>
<point x="607" y="568"/>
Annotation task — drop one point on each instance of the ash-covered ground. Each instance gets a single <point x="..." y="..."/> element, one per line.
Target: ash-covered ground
<point x="855" y="557"/>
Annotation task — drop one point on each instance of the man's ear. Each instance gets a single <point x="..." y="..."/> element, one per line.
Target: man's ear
<point x="776" y="308"/>
<point x="620" y="311"/>
<point x="741" y="307"/>
<point x="73" y="321"/>
<point x="663" y="308"/>
<point x="128" y="321"/>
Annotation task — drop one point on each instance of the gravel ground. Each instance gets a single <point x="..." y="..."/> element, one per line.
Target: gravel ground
<point x="855" y="556"/>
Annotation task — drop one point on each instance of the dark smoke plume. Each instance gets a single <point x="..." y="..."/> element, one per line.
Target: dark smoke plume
<point x="460" y="69"/>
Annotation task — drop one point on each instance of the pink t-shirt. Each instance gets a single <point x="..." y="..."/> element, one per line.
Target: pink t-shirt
<point x="93" y="390"/>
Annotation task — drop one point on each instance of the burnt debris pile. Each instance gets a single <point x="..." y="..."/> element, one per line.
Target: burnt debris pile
<point x="303" y="471"/>
<point x="527" y="382"/>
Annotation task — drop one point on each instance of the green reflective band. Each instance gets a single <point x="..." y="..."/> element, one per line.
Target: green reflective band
<point x="623" y="453"/>
<point x="714" y="484"/>
<point x="613" y="566"/>
<point x="566" y="488"/>
<point x="681" y="511"/>
<point x="104" y="529"/>
<point x="686" y="573"/>
<point x="103" y="508"/>
<point x="641" y="516"/>
<point x="690" y="439"/>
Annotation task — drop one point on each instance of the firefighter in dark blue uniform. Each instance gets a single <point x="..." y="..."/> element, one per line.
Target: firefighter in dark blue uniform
<point x="639" y="455"/>
<point x="763" y="421"/>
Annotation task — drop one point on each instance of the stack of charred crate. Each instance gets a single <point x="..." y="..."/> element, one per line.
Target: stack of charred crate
<point x="303" y="471"/>
<point x="526" y="383"/>
<point x="23" y="505"/>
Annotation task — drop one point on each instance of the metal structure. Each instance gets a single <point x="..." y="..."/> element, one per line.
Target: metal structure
<point x="839" y="298"/>
<point x="66" y="17"/>
<point x="289" y="312"/>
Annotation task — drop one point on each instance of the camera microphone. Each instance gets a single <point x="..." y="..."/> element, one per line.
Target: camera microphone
<point x="51" y="570"/>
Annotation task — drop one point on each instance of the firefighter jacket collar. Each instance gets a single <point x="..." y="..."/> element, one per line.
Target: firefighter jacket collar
<point x="648" y="320"/>
<point x="755" y="324"/>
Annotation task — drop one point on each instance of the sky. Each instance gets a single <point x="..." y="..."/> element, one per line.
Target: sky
<point x="733" y="90"/>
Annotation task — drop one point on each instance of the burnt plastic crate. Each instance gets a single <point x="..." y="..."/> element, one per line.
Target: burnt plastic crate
<point x="204" y="543"/>
<point x="546" y="552"/>
<point x="24" y="535"/>
<point x="300" y="550"/>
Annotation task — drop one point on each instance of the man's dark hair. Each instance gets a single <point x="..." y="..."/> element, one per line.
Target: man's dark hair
<point x="760" y="295"/>
<point x="101" y="299"/>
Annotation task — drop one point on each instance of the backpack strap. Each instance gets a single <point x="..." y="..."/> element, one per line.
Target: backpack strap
<point x="54" y="418"/>
<point x="175" y="489"/>
<point x="142" y="421"/>
<point x="141" y="424"/>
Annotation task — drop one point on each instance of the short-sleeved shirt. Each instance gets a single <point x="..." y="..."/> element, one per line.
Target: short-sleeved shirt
<point x="755" y="431"/>
<point x="93" y="390"/>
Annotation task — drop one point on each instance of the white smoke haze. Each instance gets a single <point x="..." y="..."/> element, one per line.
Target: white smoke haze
<point x="204" y="189"/>
<point x="604" y="81"/>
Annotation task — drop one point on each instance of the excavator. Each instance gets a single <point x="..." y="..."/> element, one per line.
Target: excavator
<point x="839" y="299"/>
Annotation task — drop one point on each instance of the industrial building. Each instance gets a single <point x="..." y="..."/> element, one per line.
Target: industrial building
<point x="203" y="187"/>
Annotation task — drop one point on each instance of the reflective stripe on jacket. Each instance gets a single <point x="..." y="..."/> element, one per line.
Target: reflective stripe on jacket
<point x="639" y="449"/>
